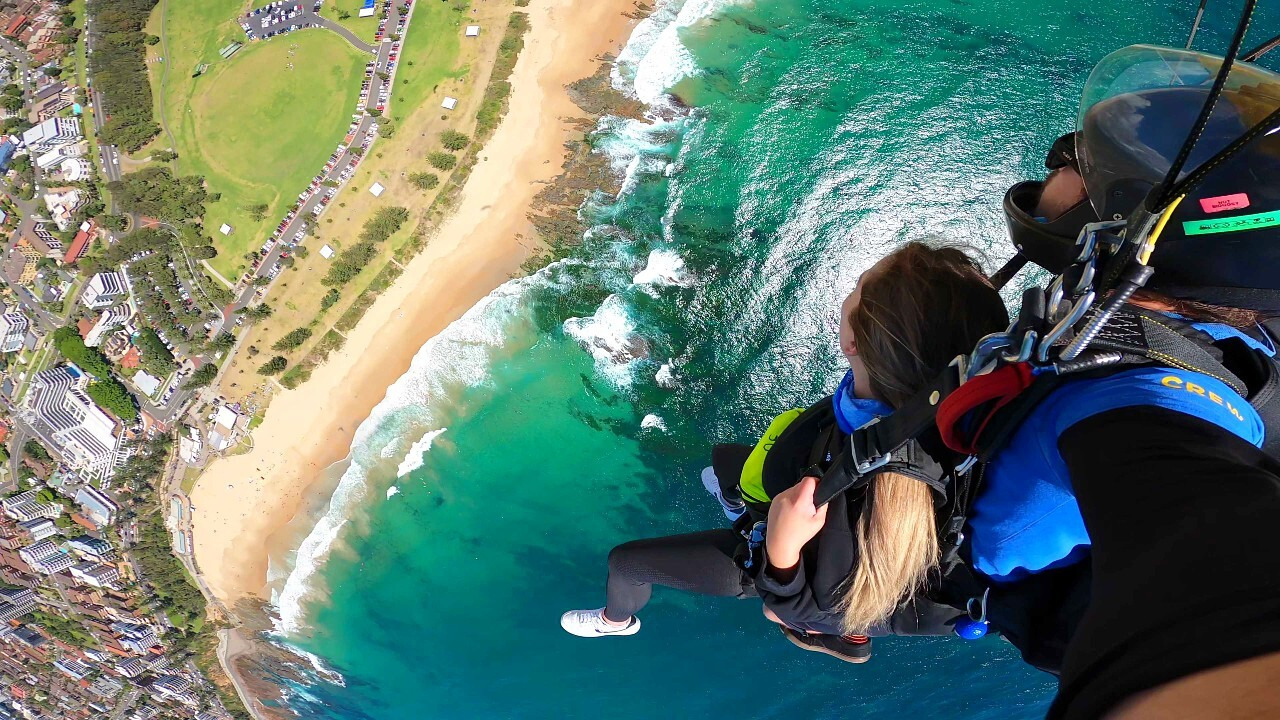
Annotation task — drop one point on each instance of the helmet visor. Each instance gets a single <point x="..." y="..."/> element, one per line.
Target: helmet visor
<point x="1138" y="106"/>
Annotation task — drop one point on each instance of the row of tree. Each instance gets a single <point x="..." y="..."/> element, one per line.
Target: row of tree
<point x="118" y="64"/>
<point x="351" y="261"/>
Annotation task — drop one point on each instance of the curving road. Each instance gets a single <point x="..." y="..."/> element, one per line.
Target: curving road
<point x="315" y="20"/>
<point x="341" y="30"/>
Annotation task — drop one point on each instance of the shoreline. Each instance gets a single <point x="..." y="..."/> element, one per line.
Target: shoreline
<point x="246" y="499"/>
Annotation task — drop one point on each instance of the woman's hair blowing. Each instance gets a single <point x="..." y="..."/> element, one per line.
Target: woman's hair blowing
<point x="921" y="308"/>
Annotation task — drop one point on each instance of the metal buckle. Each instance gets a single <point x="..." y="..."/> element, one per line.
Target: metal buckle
<point x="862" y="465"/>
<point x="1078" y="310"/>
<point x="985" y="354"/>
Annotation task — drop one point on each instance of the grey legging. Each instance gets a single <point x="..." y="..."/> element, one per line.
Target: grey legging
<point x="700" y="562"/>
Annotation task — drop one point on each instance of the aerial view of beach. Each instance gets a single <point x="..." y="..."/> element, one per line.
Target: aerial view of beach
<point x="347" y="343"/>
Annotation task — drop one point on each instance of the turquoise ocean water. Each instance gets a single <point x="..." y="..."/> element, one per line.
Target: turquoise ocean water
<point x="572" y="410"/>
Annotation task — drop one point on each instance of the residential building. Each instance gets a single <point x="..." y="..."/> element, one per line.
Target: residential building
<point x="52" y="133"/>
<point x="73" y="669"/>
<point x="33" y="510"/>
<point x="96" y="505"/>
<point x="54" y="564"/>
<point x="16" y="500"/>
<point x="38" y="235"/>
<point x="39" y="551"/>
<point x="131" y="668"/>
<point x="38" y="528"/>
<point x="80" y="243"/>
<point x="7" y="149"/>
<point x="91" y="573"/>
<point x="62" y="204"/>
<point x="93" y="548"/>
<point x="108" y="320"/>
<point x="103" y="289"/>
<point x="14" y="603"/>
<point x="13" y="331"/>
<point x="86" y="434"/>
<point x="49" y="101"/>
<point x="21" y="263"/>
<point x="75" y="169"/>
<point x="138" y="639"/>
<point x="146" y="382"/>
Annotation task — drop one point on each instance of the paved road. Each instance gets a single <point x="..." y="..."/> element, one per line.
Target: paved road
<point x="48" y="320"/>
<point x="22" y="59"/>
<point x="108" y="155"/>
<point x="346" y="160"/>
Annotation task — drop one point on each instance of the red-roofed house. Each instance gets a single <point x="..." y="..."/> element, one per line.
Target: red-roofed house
<point x="18" y="691"/>
<point x="79" y="244"/>
<point x="131" y="359"/>
<point x="17" y="25"/>
<point x="84" y="326"/>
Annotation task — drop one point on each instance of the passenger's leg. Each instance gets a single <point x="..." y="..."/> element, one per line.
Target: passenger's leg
<point x="699" y="562"/>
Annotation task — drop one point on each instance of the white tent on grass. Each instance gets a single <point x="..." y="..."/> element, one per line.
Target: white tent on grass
<point x="449" y="103"/>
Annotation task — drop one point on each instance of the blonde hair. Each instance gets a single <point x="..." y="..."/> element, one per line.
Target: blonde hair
<point x="898" y="547"/>
<point x="923" y="307"/>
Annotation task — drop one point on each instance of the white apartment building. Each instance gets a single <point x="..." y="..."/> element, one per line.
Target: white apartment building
<point x="86" y="434"/>
<point x="103" y="289"/>
<point x="13" y="330"/>
<point x="52" y="133"/>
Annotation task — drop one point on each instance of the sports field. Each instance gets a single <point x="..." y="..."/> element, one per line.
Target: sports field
<point x="257" y="126"/>
<point x="364" y="28"/>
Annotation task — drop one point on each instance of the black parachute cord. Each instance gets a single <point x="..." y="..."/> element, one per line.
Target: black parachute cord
<point x="1215" y="92"/>
<point x="1263" y="49"/>
<point x="1195" y="26"/>
<point x="1193" y="180"/>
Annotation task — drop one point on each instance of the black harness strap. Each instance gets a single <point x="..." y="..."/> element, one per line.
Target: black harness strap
<point x="885" y="443"/>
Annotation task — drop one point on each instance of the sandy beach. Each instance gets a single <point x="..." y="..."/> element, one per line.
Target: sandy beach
<point x="243" y="500"/>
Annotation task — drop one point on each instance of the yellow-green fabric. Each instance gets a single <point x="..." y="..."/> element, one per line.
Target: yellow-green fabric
<point x="752" y="481"/>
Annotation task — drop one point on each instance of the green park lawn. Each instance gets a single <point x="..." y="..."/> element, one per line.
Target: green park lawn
<point x="428" y="56"/>
<point x="364" y="28"/>
<point x="254" y="127"/>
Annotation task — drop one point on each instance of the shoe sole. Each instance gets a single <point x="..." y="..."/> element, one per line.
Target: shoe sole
<point x="791" y="637"/>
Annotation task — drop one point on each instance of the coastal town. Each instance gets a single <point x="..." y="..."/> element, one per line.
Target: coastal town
<point x="152" y="304"/>
<point x="115" y="333"/>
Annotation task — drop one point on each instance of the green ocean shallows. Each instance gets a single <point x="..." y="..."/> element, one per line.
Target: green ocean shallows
<point x="810" y="137"/>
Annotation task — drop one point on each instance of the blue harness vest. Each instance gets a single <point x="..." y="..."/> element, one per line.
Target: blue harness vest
<point x="1025" y="519"/>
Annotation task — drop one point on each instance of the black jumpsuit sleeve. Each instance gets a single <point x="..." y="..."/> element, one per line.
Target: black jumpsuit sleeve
<point x="1183" y="518"/>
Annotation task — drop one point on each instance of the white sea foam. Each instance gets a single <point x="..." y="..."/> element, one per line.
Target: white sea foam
<point x="664" y="377"/>
<point x="393" y="491"/>
<point x="655" y="59"/>
<point x="665" y="267"/>
<point x="457" y="356"/>
<point x="655" y="422"/>
<point x="610" y="336"/>
<point x="414" y="458"/>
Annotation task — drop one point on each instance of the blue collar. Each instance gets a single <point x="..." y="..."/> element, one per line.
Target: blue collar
<point x="854" y="412"/>
<point x="1218" y="331"/>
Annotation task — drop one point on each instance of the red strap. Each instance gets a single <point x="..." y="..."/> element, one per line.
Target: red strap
<point x="1001" y="385"/>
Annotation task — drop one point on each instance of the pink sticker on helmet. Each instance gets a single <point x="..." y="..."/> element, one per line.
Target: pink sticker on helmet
<point x="1225" y="202"/>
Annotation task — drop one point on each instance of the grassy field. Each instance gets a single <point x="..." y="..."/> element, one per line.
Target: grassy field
<point x="257" y="126"/>
<point x="435" y="61"/>
<point x="364" y="28"/>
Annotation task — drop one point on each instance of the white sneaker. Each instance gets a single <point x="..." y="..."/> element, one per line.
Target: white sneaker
<point x="712" y="484"/>
<point x="591" y="623"/>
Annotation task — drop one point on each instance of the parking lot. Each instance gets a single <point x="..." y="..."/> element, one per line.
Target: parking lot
<point x="278" y="18"/>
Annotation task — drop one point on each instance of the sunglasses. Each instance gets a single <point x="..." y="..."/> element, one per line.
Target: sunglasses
<point x="1063" y="153"/>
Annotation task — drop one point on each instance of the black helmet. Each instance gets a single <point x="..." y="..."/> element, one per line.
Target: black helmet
<point x="1047" y="243"/>
<point x="1222" y="244"/>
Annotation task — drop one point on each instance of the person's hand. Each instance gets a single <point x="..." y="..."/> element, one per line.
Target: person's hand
<point x="793" y="521"/>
